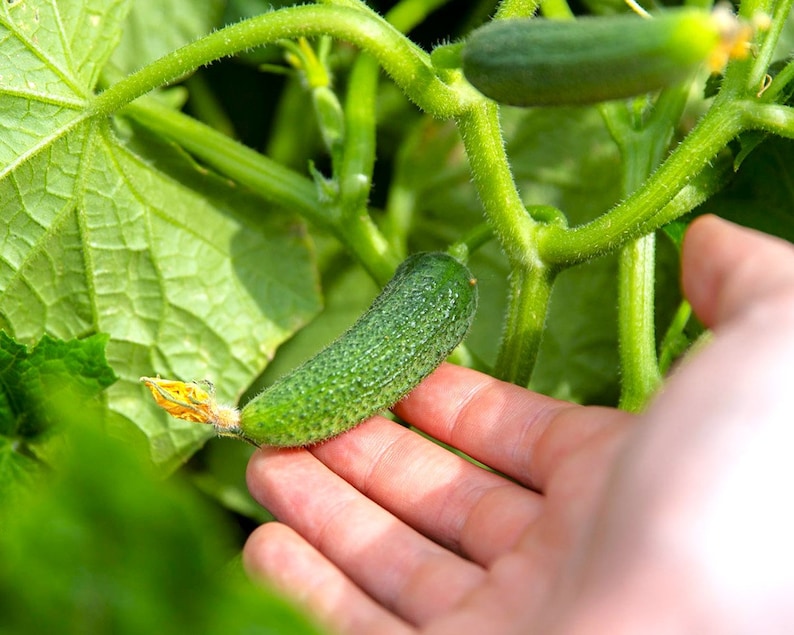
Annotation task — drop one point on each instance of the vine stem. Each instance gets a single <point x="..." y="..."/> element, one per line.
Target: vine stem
<point x="763" y="56"/>
<point x="269" y="179"/>
<point x="516" y="9"/>
<point x="530" y="278"/>
<point x="358" y="152"/>
<point x="772" y="118"/>
<point x="514" y="227"/>
<point x="405" y="62"/>
<point x="638" y="213"/>
<point x="636" y="293"/>
<point x="352" y="220"/>
<point x="530" y="291"/>
<point x="643" y="142"/>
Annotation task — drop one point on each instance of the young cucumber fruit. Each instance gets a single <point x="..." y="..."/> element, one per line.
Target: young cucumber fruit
<point x="540" y="62"/>
<point x="421" y="315"/>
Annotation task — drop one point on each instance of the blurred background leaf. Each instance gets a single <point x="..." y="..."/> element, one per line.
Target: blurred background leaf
<point x="107" y="547"/>
<point x="35" y="386"/>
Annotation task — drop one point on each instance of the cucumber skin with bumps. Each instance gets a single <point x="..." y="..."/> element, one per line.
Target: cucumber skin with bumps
<point x="416" y="321"/>
<point x="541" y="62"/>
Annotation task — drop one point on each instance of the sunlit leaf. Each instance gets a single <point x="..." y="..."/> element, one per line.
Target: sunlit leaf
<point x="190" y="276"/>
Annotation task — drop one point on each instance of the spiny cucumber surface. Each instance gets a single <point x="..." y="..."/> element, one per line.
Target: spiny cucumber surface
<point x="416" y="321"/>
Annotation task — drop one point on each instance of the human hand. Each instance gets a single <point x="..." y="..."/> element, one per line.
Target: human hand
<point x="674" y="521"/>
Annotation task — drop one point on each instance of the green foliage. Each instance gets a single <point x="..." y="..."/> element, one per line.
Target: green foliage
<point x="36" y="387"/>
<point x="111" y="227"/>
<point x="135" y="233"/>
<point x="103" y="232"/>
<point x="755" y="199"/>
<point x="92" y="539"/>
<point x="105" y="546"/>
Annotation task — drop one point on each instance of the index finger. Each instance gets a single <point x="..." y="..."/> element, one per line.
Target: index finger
<point x="517" y="432"/>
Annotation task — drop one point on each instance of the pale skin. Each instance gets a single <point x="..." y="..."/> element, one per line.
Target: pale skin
<point x="678" y="520"/>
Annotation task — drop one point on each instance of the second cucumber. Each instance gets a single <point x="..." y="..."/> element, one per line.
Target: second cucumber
<point x="541" y="62"/>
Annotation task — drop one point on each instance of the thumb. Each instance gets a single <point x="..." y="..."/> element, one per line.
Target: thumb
<point x="728" y="269"/>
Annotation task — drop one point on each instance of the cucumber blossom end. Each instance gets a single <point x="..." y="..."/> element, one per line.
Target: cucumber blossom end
<point x="735" y="37"/>
<point x="194" y="401"/>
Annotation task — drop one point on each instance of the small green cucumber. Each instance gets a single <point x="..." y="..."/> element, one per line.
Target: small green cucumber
<point x="421" y="315"/>
<point x="541" y="62"/>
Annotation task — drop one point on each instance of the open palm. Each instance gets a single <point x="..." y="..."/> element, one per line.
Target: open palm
<point x="593" y="520"/>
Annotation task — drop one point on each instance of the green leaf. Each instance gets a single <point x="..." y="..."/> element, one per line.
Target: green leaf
<point x="760" y="195"/>
<point x="31" y="381"/>
<point x="189" y="275"/>
<point x="564" y="157"/>
<point x="18" y="472"/>
<point x="35" y="385"/>
<point x="106" y="547"/>
<point x="145" y="39"/>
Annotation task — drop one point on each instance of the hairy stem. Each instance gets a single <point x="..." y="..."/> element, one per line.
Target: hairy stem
<point x="763" y="56"/>
<point x="530" y="291"/>
<point x="516" y="9"/>
<point x="639" y="214"/>
<point x="530" y="278"/>
<point x="407" y="64"/>
<point x="642" y="142"/>
<point x="772" y="118"/>
<point x="636" y="331"/>
<point x="482" y="138"/>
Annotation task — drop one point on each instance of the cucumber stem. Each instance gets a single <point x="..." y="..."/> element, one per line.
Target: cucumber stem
<point x="763" y="56"/>
<point x="358" y="152"/>
<point x="509" y="9"/>
<point x="530" y="278"/>
<point x="772" y="118"/>
<point x="269" y="179"/>
<point x="530" y="291"/>
<point x="636" y="330"/>
<point x="674" y="341"/>
<point x="482" y="139"/>
<point x="642" y="142"/>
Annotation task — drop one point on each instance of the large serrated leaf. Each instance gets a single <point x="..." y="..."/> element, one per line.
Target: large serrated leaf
<point x="189" y="276"/>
